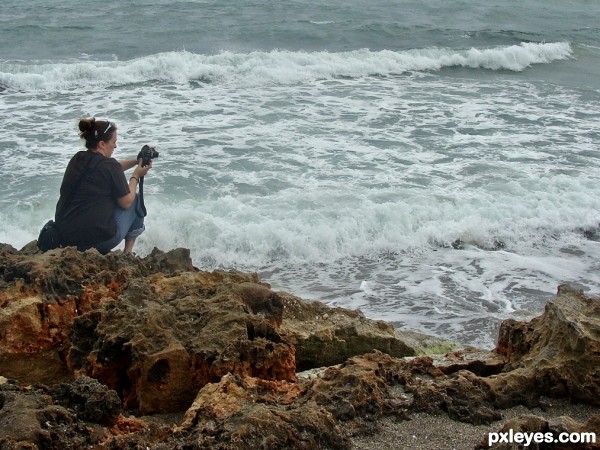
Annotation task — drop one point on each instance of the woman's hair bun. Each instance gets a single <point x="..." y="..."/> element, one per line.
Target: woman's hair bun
<point x="87" y="124"/>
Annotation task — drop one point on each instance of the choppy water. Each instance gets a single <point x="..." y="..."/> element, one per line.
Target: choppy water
<point x="434" y="165"/>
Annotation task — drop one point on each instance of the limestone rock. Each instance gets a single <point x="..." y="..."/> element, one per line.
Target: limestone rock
<point x="156" y="329"/>
<point x="42" y="294"/>
<point x="243" y="413"/>
<point x="77" y="415"/>
<point x="167" y="337"/>
<point x="112" y="333"/>
<point x="90" y="400"/>
<point x="556" y="354"/>
<point x="325" y="336"/>
<point x="28" y="419"/>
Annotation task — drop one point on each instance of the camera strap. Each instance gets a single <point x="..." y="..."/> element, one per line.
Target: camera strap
<point x="140" y="208"/>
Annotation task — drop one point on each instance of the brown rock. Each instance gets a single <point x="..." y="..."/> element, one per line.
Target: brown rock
<point x="91" y="401"/>
<point x="42" y="294"/>
<point x="169" y="336"/>
<point x="243" y="413"/>
<point x="556" y="354"/>
<point x="77" y="415"/>
<point x="325" y="336"/>
<point x="19" y="421"/>
<point x="362" y="390"/>
<point x="156" y="330"/>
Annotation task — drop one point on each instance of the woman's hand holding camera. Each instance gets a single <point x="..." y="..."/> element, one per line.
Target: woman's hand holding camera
<point x="144" y="158"/>
<point x="140" y="170"/>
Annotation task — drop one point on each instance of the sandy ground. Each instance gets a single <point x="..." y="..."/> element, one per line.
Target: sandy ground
<point x="426" y="432"/>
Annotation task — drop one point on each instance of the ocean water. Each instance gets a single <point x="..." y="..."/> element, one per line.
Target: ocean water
<point x="434" y="164"/>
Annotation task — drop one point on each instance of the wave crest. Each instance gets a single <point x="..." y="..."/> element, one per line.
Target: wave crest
<point x="274" y="67"/>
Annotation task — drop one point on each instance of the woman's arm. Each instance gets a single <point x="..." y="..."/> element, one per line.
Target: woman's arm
<point x="127" y="164"/>
<point x="127" y="200"/>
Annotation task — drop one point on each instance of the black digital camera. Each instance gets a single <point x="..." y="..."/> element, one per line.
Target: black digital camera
<point x="147" y="154"/>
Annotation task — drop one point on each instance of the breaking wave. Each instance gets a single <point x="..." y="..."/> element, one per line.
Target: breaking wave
<point x="274" y="67"/>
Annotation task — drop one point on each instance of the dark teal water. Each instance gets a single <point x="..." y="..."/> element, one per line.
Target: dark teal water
<point x="64" y="29"/>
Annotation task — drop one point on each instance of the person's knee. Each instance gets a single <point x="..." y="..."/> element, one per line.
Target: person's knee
<point x="134" y="233"/>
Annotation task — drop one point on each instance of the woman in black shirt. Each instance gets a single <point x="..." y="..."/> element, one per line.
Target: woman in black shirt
<point x="97" y="205"/>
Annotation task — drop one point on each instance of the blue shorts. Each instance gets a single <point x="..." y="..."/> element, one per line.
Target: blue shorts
<point x="129" y="226"/>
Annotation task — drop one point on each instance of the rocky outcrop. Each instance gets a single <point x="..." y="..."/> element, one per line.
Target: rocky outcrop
<point x="254" y="413"/>
<point x="156" y="330"/>
<point x="556" y="354"/>
<point x="66" y="416"/>
<point x="96" y="343"/>
<point x="167" y="337"/>
<point x="41" y="296"/>
<point x="325" y="336"/>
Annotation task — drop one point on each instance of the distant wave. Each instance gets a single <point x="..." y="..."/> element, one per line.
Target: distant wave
<point x="275" y="67"/>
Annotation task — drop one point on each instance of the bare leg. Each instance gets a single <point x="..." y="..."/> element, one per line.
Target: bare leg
<point x="129" y="245"/>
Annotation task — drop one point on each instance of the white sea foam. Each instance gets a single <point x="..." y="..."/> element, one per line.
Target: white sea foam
<point x="279" y="67"/>
<point x="348" y="190"/>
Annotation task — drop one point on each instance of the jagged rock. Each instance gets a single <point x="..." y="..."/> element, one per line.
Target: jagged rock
<point x="243" y="413"/>
<point x="78" y="415"/>
<point x="362" y="390"/>
<point x="19" y="417"/>
<point x="481" y="362"/>
<point x="167" y="337"/>
<point x="91" y="401"/>
<point x="42" y="294"/>
<point x="156" y="329"/>
<point x="326" y="336"/>
<point x="556" y="354"/>
<point x="372" y="385"/>
<point x="463" y="396"/>
<point x="30" y="420"/>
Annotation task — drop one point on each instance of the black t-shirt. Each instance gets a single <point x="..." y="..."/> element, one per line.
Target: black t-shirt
<point x="88" y="217"/>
